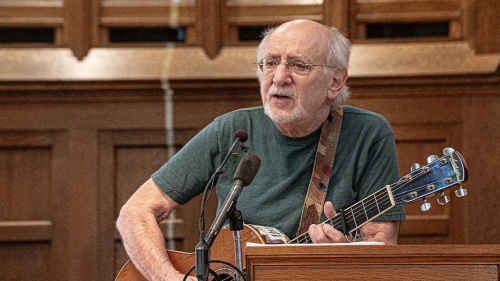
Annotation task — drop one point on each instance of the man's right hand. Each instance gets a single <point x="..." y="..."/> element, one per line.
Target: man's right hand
<point x="143" y="238"/>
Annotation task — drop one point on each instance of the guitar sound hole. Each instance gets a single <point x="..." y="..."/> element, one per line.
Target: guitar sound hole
<point x="225" y="274"/>
<point x="226" y="277"/>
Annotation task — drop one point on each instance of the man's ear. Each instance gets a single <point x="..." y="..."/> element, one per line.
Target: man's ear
<point x="338" y="81"/>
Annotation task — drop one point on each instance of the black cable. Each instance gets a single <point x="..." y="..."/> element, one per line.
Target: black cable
<point x="210" y="271"/>
<point x="215" y="274"/>
<point x="215" y="177"/>
<point x="231" y="265"/>
<point x="204" y="200"/>
<point x="211" y="182"/>
<point x="202" y="250"/>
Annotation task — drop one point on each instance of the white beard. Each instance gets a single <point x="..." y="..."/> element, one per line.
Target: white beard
<point x="282" y="117"/>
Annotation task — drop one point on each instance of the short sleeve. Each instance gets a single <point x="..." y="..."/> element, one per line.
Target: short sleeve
<point x="380" y="170"/>
<point x="185" y="175"/>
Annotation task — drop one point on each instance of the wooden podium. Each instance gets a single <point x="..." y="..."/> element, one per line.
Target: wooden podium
<point x="374" y="262"/>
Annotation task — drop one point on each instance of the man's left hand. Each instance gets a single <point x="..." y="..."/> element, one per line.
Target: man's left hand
<point x="386" y="232"/>
<point x="325" y="233"/>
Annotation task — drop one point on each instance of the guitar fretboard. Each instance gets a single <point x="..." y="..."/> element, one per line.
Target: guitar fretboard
<point x="357" y="214"/>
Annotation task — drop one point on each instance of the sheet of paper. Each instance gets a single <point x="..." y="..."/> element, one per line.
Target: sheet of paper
<point x="250" y="244"/>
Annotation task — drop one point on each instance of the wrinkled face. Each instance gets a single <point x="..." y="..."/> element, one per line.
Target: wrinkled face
<point x="287" y="96"/>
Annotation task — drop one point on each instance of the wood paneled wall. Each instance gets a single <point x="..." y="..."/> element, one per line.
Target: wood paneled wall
<point x="82" y="124"/>
<point x="71" y="154"/>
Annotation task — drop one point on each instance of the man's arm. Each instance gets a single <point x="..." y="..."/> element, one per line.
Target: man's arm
<point x="142" y="237"/>
<point x="386" y="232"/>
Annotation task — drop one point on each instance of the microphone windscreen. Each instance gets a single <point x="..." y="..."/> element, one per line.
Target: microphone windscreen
<point x="247" y="169"/>
<point x="242" y="134"/>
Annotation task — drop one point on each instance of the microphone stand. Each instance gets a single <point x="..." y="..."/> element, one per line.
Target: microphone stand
<point x="236" y="226"/>
<point x="202" y="249"/>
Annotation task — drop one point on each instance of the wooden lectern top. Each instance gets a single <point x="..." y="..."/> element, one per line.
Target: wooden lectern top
<point x="353" y="262"/>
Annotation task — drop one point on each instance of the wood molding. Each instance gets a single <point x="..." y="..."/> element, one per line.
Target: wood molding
<point x="78" y="26"/>
<point x="451" y="262"/>
<point x="147" y="13"/>
<point x="16" y="92"/>
<point x="336" y="13"/>
<point x="23" y="231"/>
<point x="245" y="93"/>
<point x="487" y="24"/>
<point x="208" y="22"/>
<point x="191" y="63"/>
<point x="418" y="253"/>
<point x="453" y="12"/>
<point x="31" y="14"/>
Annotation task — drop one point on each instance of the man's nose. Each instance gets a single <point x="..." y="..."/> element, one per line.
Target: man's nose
<point x="282" y="75"/>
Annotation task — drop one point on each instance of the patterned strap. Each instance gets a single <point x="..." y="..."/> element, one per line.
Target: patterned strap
<point x="323" y="163"/>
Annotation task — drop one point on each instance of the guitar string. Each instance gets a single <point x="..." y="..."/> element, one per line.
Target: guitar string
<point x="228" y="278"/>
<point x="369" y="201"/>
<point x="426" y="186"/>
<point x="350" y="218"/>
<point x="394" y="187"/>
<point x="336" y="223"/>
<point x="357" y="208"/>
<point x="431" y="169"/>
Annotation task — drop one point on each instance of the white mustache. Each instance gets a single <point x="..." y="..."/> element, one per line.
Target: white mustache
<point x="281" y="91"/>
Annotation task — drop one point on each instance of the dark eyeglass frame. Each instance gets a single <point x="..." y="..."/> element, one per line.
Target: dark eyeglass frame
<point x="293" y="62"/>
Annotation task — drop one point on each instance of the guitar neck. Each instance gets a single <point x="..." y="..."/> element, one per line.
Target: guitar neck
<point x="357" y="214"/>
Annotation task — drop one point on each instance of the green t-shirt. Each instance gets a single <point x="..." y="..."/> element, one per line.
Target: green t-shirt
<point x="365" y="161"/>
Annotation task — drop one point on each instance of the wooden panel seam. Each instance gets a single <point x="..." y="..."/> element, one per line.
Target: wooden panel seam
<point x="17" y="231"/>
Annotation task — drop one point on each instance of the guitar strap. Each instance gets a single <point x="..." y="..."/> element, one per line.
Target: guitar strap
<point x="323" y="163"/>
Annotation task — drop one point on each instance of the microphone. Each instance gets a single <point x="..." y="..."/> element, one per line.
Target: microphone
<point x="240" y="137"/>
<point x="202" y="249"/>
<point x="245" y="173"/>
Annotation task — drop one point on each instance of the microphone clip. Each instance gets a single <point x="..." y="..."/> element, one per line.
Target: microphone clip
<point x="243" y="148"/>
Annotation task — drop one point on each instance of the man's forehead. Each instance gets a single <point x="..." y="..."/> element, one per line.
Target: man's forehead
<point x="297" y="40"/>
<point x="302" y="25"/>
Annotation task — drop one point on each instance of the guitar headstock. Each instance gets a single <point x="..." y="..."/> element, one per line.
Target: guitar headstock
<point x="438" y="175"/>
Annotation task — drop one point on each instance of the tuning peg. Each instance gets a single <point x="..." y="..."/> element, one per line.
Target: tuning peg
<point x="448" y="150"/>
<point x="415" y="167"/>
<point x="443" y="199"/>
<point x="425" y="206"/>
<point x="432" y="158"/>
<point x="460" y="192"/>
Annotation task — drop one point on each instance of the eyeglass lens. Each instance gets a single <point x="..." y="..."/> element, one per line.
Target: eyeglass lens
<point x="270" y="65"/>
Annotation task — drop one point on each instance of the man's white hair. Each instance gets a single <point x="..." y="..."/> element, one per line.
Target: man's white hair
<point x="339" y="52"/>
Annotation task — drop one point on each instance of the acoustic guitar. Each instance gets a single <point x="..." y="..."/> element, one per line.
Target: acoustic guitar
<point x="438" y="175"/>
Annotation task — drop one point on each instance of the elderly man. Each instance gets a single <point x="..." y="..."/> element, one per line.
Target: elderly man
<point x="302" y="74"/>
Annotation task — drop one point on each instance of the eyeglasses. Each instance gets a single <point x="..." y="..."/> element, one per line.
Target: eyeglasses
<point x="269" y="65"/>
